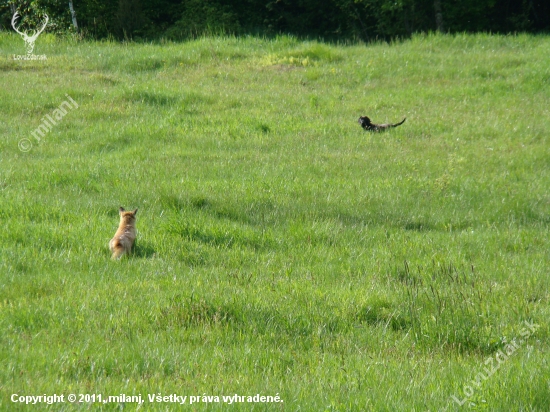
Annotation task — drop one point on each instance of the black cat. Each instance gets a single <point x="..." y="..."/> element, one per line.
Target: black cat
<point x="366" y="124"/>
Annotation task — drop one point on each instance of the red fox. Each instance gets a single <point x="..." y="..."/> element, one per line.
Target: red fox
<point x="125" y="235"/>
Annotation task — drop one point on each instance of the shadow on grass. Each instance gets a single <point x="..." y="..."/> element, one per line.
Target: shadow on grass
<point x="143" y="250"/>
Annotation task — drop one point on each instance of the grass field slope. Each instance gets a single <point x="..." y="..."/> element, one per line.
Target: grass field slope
<point x="282" y="251"/>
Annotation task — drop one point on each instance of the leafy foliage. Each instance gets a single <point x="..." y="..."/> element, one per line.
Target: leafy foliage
<point x="334" y="19"/>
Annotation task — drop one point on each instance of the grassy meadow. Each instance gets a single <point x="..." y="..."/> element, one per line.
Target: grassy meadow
<point x="281" y="249"/>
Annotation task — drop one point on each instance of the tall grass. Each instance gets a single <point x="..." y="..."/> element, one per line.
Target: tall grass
<point x="281" y="249"/>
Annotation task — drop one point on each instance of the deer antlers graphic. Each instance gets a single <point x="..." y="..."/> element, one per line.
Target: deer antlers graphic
<point x="29" y="40"/>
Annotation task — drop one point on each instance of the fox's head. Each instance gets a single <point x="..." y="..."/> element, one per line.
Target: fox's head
<point x="127" y="216"/>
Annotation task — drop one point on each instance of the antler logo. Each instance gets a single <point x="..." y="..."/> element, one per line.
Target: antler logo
<point x="29" y="39"/>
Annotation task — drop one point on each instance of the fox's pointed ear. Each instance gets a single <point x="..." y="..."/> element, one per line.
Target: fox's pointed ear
<point x="121" y="210"/>
<point x="135" y="211"/>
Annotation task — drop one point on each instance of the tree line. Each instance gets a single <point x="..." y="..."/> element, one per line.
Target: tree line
<point x="365" y="20"/>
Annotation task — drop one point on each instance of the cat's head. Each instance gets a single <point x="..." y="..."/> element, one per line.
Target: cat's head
<point x="364" y="121"/>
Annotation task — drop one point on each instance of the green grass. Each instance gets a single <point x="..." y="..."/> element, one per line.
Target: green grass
<point x="281" y="249"/>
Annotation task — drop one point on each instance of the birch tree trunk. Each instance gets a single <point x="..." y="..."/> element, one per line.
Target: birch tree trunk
<point x="438" y="16"/>
<point x="73" y="15"/>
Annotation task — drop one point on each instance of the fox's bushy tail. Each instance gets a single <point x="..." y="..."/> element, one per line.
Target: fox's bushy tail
<point x="118" y="250"/>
